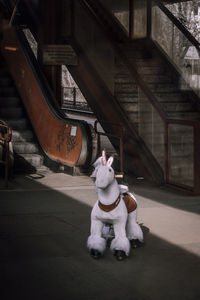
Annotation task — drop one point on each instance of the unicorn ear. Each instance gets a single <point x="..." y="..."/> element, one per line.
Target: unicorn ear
<point x="110" y="161"/>
<point x="97" y="163"/>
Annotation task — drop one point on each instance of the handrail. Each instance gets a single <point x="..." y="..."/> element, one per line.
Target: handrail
<point x="178" y="24"/>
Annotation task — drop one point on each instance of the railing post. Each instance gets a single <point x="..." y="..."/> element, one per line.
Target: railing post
<point x="166" y="153"/>
<point x="74" y="96"/>
<point x="131" y="18"/>
<point x="149" y="10"/>
<point x="196" y="158"/>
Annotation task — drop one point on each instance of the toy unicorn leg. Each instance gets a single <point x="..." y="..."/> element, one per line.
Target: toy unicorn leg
<point x="96" y="244"/>
<point x="120" y="244"/>
<point x="134" y="231"/>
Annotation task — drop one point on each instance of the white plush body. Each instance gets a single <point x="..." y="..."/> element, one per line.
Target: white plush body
<point x="125" y="224"/>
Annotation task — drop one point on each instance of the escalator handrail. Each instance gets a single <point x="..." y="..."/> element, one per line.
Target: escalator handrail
<point x="42" y="82"/>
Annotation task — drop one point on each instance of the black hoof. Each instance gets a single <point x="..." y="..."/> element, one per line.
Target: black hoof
<point x="95" y="253"/>
<point x="120" y="255"/>
<point x="136" y="243"/>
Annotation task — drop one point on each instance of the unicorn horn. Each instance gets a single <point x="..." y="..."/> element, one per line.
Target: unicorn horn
<point x="103" y="160"/>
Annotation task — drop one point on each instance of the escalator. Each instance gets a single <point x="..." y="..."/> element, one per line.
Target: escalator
<point x="41" y="132"/>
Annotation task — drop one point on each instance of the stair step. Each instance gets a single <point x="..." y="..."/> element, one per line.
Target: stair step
<point x="159" y="78"/>
<point x="18" y="124"/>
<point x="5" y="81"/>
<point x="147" y="62"/>
<point x="135" y="53"/>
<point x="149" y="78"/>
<point x="4" y="72"/>
<point x="22" y="136"/>
<point x="131" y="87"/>
<point x="168" y="87"/>
<point x="10" y="101"/>
<point x="171" y="97"/>
<point x="127" y="98"/>
<point x="25" y="147"/>
<point x="130" y="107"/>
<point x="11" y="112"/>
<point x="25" y="161"/>
<point x="177" y="107"/>
<point x="124" y="78"/>
<point x="8" y="91"/>
<point x="43" y="169"/>
<point x="126" y="87"/>
<point x="132" y="116"/>
<point x="184" y="115"/>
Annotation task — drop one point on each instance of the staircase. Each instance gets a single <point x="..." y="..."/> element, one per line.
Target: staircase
<point x="160" y="79"/>
<point x="27" y="156"/>
<point x="164" y="84"/>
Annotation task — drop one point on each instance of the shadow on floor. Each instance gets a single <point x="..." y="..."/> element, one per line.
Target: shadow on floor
<point x="43" y="255"/>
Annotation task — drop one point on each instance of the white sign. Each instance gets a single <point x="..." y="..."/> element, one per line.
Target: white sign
<point x="73" y="131"/>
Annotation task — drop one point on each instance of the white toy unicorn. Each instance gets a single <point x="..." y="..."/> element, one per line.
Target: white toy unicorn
<point x="116" y="206"/>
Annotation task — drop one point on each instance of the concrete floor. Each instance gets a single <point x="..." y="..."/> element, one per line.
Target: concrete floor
<point x="44" y="225"/>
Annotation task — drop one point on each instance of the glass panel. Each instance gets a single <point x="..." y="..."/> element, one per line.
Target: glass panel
<point x="94" y="44"/>
<point x="151" y="129"/>
<point x="67" y="97"/>
<point x="120" y="9"/>
<point x="181" y="153"/>
<point x="187" y="12"/>
<point x="139" y="18"/>
<point x="31" y="40"/>
<point x="71" y="94"/>
<point x="178" y="48"/>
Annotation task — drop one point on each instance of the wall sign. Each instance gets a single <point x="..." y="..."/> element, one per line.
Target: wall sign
<point x="59" y="55"/>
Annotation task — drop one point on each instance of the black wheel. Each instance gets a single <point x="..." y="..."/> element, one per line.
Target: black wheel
<point x="135" y="243"/>
<point x="120" y="255"/>
<point x="95" y="253"/>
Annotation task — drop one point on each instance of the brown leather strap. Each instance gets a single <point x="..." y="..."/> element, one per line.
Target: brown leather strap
<point x="109" y="207"/>
<point x="130" y="202"/>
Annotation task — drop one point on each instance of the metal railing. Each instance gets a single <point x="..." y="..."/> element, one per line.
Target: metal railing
<point x="5" y="139"/>
<point x="72" y="99"/>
